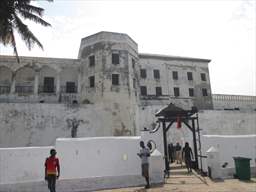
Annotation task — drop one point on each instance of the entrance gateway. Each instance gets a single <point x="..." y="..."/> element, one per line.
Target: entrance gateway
<point x="171" y="114"/>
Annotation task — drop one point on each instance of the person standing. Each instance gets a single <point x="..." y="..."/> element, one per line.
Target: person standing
<point x="178" y="149"/>
<point x="187" y="154"/>
<point x="144" y="155"/>
<point x="171" y="152"/>
<point x="52" y="170"/>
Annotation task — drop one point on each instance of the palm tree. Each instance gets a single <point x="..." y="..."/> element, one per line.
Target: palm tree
<point x="10" y="13"/>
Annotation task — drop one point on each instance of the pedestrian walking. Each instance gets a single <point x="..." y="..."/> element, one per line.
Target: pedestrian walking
<point x="52" y="170"/>
<point x="144" y="155"/>
<point x="187" y="154"/>
<point x="178" y="150"/>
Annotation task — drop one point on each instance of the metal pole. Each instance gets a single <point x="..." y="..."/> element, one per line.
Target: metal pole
<point x="194" y="140"/>
<point x="165" y="151"/>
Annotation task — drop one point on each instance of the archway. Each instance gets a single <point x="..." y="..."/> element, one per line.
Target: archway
<point x="5" y="80"/>
<point x="47" y="80"/>
<point x="167" y="117"/>
<point x="25" y="78"/>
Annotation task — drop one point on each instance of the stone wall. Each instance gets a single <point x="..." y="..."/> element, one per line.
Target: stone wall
<point x="24" y="124"/>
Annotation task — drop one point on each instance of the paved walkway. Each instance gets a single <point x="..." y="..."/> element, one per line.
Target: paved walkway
<point x="181" y="181"/>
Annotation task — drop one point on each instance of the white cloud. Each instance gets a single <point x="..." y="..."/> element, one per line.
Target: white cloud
<point x="223" y="31"/>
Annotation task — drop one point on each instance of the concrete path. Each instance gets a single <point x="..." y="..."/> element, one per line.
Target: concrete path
<point x="181" y="181"/>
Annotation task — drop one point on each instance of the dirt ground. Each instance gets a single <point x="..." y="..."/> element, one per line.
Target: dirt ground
<point x="181" y="181"/>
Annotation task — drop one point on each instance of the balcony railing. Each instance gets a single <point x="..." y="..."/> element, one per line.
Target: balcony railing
<point x="24" y="89"/>
<point x="47" y="89"/>
<point x="65" y="89"/>
<point x="5" y="89"/>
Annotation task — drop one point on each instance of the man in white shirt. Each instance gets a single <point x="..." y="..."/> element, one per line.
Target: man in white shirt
<point x="144" y="154"/>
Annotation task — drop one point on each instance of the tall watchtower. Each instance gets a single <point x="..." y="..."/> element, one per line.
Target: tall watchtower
<point x="109" y="77"/>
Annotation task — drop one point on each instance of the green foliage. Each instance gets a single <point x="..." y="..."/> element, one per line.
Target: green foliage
<point x="11" y="12"/>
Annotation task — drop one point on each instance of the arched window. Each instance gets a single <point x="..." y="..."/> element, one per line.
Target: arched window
<point x="68" y="80"/>
<point x="47" y="80"/>
<point x="5" y="80"/>
<point x="24" y="78"/>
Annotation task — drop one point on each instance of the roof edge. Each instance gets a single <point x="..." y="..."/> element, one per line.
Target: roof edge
<point x="171" y="57"/>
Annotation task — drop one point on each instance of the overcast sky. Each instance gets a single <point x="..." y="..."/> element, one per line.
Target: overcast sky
<point x="223" y="31"/>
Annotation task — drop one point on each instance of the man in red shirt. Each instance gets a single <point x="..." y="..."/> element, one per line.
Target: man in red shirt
<point x="52" y="170"/>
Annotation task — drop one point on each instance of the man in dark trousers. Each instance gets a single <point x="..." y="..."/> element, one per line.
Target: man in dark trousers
<point x="144" y="154"/>
<point x="171" y="152"/>
<point x="187" y="153"/>
<point x="52" y="170"/>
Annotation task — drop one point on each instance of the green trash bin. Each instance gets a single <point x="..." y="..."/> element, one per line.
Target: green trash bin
<point x="243" y="170"/>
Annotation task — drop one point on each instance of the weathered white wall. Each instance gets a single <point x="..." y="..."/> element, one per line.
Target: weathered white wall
<point x="215" y="122"/>
<point x="80" y="158"/>
<point x="22" y="164"/>
<point x="97" y="157"/>
<point x="244" y="103"/>
<point x="24" y="124"/>
<point x="229" y="147"/>
<point x="166" y="65"/>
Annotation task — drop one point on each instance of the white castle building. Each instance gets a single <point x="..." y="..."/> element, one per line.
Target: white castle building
<point x="111" y="89"/>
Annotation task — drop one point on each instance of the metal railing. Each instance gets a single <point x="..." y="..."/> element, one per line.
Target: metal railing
<point x="65" y="89"/>
<point x="24" y="89"/>
<point x="5" y="89"/>
<point x="47" y="89"/>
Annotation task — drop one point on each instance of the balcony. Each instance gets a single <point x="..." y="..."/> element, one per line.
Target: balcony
<point x="5" y="89"/>
<point x="48" y="90"/>
<point x="24" y="89"/>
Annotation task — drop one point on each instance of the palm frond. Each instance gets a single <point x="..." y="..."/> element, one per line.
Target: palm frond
<point x="14" y="46"/>
<point x="26" y="34"/>
<point x="33" y="17"/>
<point x="31" y="9"/>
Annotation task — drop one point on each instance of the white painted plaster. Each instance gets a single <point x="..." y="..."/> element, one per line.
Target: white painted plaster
<point x="230" y="146"/>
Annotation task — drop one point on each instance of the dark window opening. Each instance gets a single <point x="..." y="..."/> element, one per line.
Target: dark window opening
<point x="175" y="75"/>
<point x="92" y="81"/>
<point x="191" y="92"/>
<point x="115" y="79"/>
<point x="158" y="91"/>
<point x="176" y="91"/>
<point x="204" y="92"/>
<point x="70" y="87"/>
<point x="156" y="74"/>
<point x="48" y="85"/>
<point x="190" y="76"/>
<point x="133" y="63"/>
<point x="143" y="73"/>
<point x="143" y="90"/>
<point x="134" y="83"/>
<point x="92" y="60"/>
<point x="203" y="77"/>
<point x="115" y="58"/>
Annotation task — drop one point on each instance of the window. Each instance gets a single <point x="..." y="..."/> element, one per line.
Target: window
<point x="115" y="79"/>
<point x="156" y="74"/>
<point x="49" y="84"/>
<point x="175" y="75"/>
<point x="191" y="92"/>
<point x="143" y="73"/>
<point x="115" y="58"/>
<point x="190" y="76"/>
<point x="134" y="83"/>
<point x="91" y="60"/>
<point x="203" y="77"/>
<point x="143" y="90"/>
<point x="133" y="63"/>
<point x="204" y="92"/>
<point x="176" y="91"/>
<point x="70" y="87"/>
<point x="158" y="91"/>
<point x="92" y="81"/>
